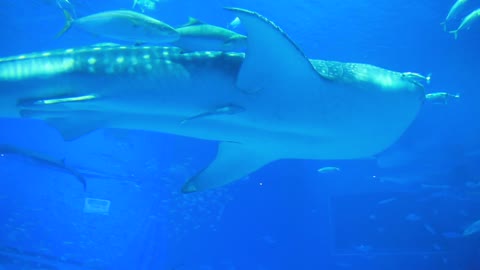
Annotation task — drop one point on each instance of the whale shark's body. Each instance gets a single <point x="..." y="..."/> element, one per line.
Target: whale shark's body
<point x="267" y="104"/>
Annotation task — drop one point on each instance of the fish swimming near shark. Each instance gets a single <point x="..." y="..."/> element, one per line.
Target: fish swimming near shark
<point x="43" y="159"/>
<point x="199" y="36"/>
<point x="440" y="97"/>
<point x="416" y="77"/>
<point x="472" y="229"/>
<point x="292" y="107"/>
<point x="326" y="170"/>
<point x="147" y="4"/>
<point x="454" y="12"/>
<point x="234" y="23"/>
<point x="467" y="22"/>
<point x="124" y="25"/>
<point x="227" y="109"/>
<point x="65" y="5"/>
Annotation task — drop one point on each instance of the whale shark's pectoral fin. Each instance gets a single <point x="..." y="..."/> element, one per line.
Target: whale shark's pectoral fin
<point x="71" y="115"/>
<point x="272" y="62"/>
<point x="72" y="129"/>
<point x="71" y="125"/>
<point x="233" y="161"/>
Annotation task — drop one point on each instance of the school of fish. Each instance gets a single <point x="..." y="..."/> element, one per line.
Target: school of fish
<point x="457" y="15"/>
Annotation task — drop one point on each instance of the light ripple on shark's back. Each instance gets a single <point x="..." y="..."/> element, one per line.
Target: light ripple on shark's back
<point x="110" y="59"/>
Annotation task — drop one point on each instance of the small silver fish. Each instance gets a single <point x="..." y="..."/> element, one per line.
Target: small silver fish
<point x="429" y="229"/>
<point x="412" y="217"/>
<point x="441" y="187"/>
<point x="467" y="22"/>
<point x="123" y="25"/>
<point x="473" y="228"/>
<point x="415" y="77"/>
<point x="363" y="248"/>
<point x="454" y="12"/>
<point x="386" y="201"/>
<point x="452" y="235"/>
<point x="440" y="97"/>
<point x="328" y="170"/>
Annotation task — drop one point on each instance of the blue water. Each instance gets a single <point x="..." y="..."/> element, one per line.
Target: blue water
<point x="407" y="208"/>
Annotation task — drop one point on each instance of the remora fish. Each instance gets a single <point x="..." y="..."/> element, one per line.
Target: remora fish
<point x="228" y="109"/>
<point x="454" y="12"/>
<point x="43" y="159"/>
<point x="199" y="36"/>
<point x="123" y="25"/>
<point x="467" y="22"/>
<point x="416" y="77"/>
<point x="293" y="107"/>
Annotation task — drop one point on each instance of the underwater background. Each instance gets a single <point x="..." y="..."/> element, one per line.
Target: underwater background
<point x="406" y="208"/>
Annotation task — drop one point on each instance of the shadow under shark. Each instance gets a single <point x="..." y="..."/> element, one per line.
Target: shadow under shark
<point x="267" y="104"/>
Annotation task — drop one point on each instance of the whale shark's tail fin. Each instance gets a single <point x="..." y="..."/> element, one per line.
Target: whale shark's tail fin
<point x="455" y="33"/>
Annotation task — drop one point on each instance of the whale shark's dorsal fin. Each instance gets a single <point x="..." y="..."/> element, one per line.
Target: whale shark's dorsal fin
<point x="192" y="21"/>
<point x="275" y="65"/>
<point x="272" y="59"/>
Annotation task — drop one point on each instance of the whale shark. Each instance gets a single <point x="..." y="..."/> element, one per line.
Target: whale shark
<point x="269" y="103"/>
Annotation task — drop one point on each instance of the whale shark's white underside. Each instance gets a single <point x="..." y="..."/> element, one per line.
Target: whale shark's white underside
<point x="267" y="104"/>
